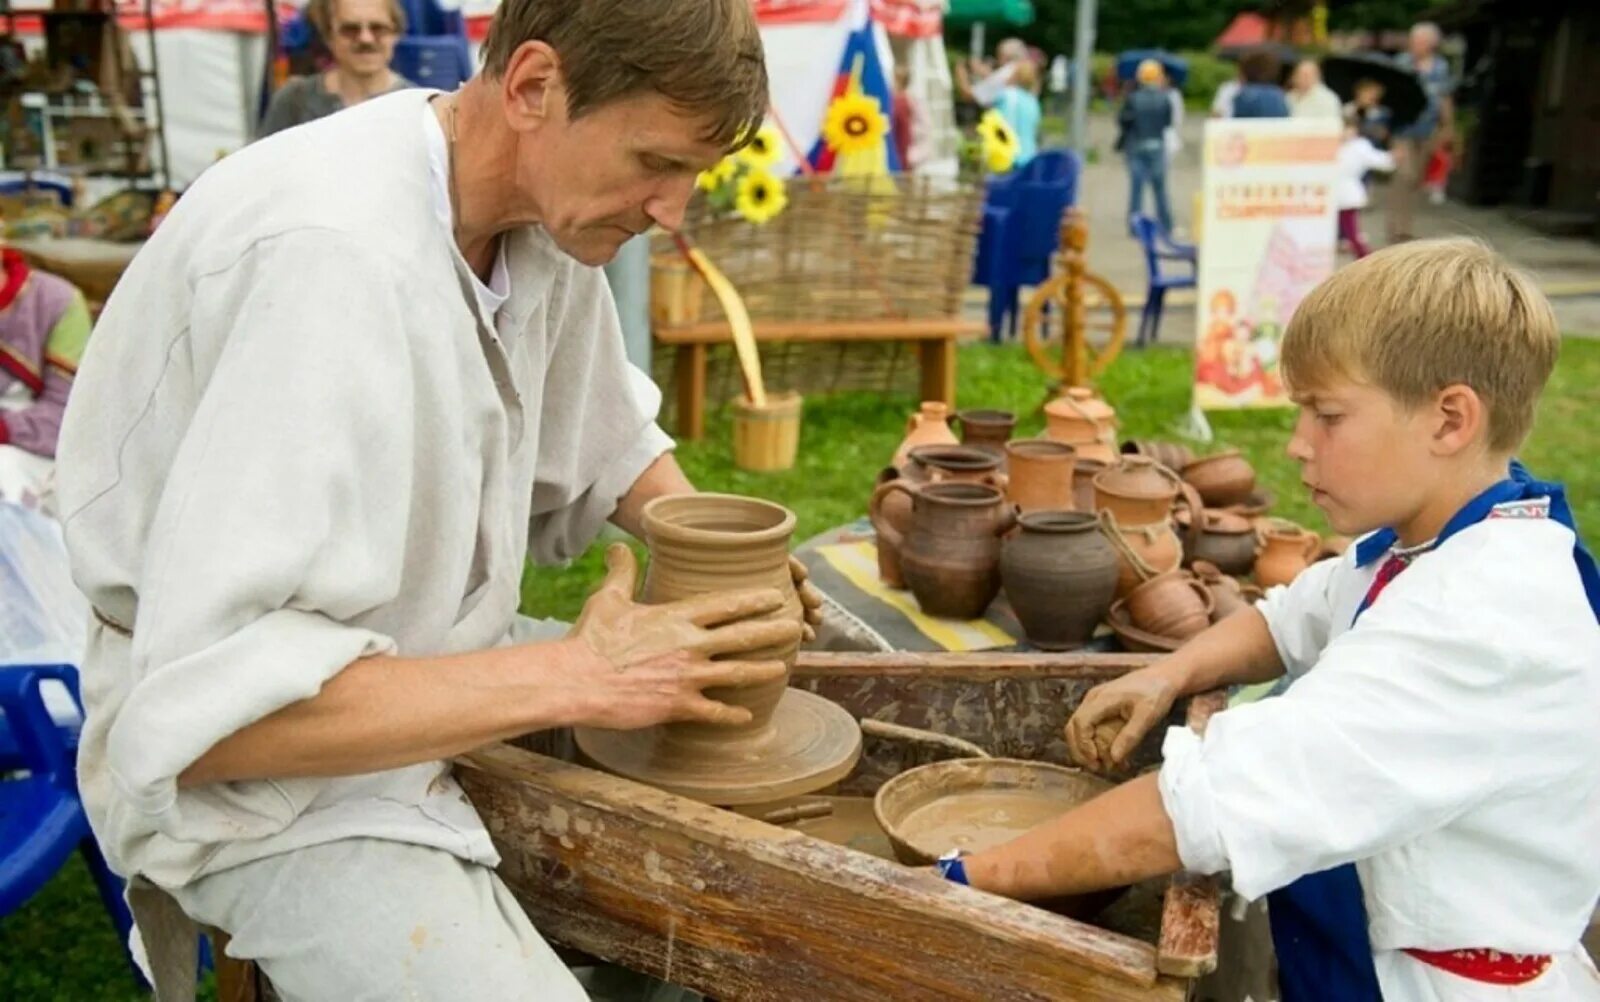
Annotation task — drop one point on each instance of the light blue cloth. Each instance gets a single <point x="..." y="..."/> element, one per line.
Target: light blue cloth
<point x="1438" y="85"/>
<point x="1020" y="109"/>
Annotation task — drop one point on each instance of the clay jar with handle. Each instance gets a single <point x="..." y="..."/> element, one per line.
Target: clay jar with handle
<point x="1143" y="551"/>
<point x="951" y="556"/>
<point x="988" y="430"/>
<point x="1227" y="596"/>
<point x="1222" y="479"/>
<point x="1225" y="540"/>
<point x="1169" y="454"/>
<point x="926" y="464"/>
<point x="1286" y="550"/>
<point x="1137" y="489"/>
<point x="930" y="425"/>
<point x="1173" y="604"/>
<point x="1083" y="421"/>
<point x="1060" y="574"/>
<point x="1039" y="474"/>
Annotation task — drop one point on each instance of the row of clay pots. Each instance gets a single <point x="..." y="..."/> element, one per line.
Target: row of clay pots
<point x="984" y="429"/>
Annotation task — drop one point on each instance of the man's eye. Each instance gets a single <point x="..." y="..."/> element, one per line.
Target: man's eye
<point x="1327" y="418"/>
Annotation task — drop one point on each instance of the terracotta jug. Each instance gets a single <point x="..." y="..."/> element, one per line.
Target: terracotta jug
<point x="1060" y="574"/>
<point x="1143" y="551"/>
<point x="928" y="426"/>
<point x="1286" y="550"/>
<point x="1039" y="474"/>
<point x="926" y="464"/>
<point x="1227" y="596"/>
<point x="951" y="556"/>
<point x="1222" y="479"/>
<point x="1169" y="454"/>
<point x="1173" y="604"/>
<point x="1137" y="489"/>
<point x="1083" y="473"/>
<point x="1225" y="540"/>
<point x="988" y="430"/>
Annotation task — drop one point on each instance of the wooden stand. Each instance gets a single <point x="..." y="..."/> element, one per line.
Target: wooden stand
<point x="766" y="439"/>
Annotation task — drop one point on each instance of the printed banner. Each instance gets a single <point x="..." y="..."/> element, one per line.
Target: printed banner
<point x="1268" y="234"/>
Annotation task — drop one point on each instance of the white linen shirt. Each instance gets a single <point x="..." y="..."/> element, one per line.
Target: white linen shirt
<point x="296" y="441"/>
<point x="1447" y="744"/>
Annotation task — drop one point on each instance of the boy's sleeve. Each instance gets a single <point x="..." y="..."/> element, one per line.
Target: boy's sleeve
<point x="36" y="428"/>
<point x="1300" y="616"/>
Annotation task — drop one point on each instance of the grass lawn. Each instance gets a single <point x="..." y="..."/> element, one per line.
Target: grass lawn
<point x="60" y="946"/>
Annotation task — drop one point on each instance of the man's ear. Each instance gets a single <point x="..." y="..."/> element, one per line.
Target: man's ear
<point x="533" y="87"/>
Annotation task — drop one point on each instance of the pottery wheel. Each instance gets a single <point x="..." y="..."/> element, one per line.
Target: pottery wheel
<point x="808" y="744"/>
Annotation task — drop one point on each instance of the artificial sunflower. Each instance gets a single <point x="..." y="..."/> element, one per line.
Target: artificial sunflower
<point x="765" y="150"/>
<point x="716" y="177"/>
<point x="999" y="142"/>
<point x="761" y="196"/>
<point x="854" y="124"/>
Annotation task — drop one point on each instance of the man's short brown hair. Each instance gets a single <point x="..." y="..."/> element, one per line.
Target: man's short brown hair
<point x="1416" y="318"/>
<point x="704" y="56"/>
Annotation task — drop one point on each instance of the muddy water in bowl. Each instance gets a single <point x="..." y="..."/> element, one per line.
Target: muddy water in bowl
<point x="979" y="820"/>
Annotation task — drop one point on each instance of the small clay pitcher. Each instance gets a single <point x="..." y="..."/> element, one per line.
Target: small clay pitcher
<point x="926" y="464"/>
<point x="1039" y="474"/>
<point x="1227" y="596"/>
<point x="1060" y="574"/>
<point x="1083" y="473"/>
<point x="1286" y="550"/>
<point x="988" y="430"/>
<point x="1225" y="540"/>
<point x="1169" y="454"/>
<point x="1143" y="551"/>
<point x="1138" y="490"/>
<point x="928" y="426"/>
<point x="951" y="556"/>
<point x="1222" y="479"/>
<point x="1173" y="604"/>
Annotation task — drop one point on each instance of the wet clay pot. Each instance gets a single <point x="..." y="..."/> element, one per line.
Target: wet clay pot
<point x="1137" y="489"/>
<point x="1227" y="595"/>
<point x="1225" y="540"/>
<point x="988" y="430"/>
<point x="1039" y="474"/>
<point x="1173" y="604"/>
<point x="926" y="464"/>
<point x="1083" y="473"/>
<point x="951" y="556"/>
<point x="1286" y="550"/>
<point x="1169" y="454"/>
<point x="1143" y="551"/>
<point x="1060" y="574"/>
<point x="1222" y="479"/>
<point x="930" y="425"/>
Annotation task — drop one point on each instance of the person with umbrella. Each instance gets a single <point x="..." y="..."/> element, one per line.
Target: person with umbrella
<point x="1435" y="127"/>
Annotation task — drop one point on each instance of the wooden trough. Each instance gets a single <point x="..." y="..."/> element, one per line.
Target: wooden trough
<point x="738" y="908"/>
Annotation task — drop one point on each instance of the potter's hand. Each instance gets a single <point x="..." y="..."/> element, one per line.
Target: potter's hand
<point x="1114" y="717"/>
<point x="810" y="599"/>
<point x="640" y="665"/>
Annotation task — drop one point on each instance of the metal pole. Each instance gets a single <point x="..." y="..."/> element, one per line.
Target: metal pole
<point x="161" y="104"/>
<point x="1082" y="56"/>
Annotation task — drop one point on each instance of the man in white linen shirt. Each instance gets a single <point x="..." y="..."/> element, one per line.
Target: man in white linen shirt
<point x="362" y="372"/>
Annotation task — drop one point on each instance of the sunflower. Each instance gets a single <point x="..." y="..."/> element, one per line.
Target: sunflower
<point x="761" y="196"/>
<point x="716" y="177"/>
<point x="765" y="149"/>
<point x="999" y="142"/>
<point x="854" y="124"/>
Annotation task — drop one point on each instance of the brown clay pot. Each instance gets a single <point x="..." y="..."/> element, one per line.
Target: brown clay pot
<point x="1169" y="454"/>
<point x="1080" y="416"/>
<point x="1083" y="473"/>
<point x="1227" y="596"/>
<point x="988" y="430"/>
<point x="1137" y="489"/>
<point x="926" y="464"/>
<point x="1256" y="505"/>
<point x="951" y="556"/>
<point x="1286" y="550"/>
<point x="1134" y="639"/>
<point x="1225" y="540"/>
<point x="1223" y="478"/>
<point x="1039" y="474"/>
<point x="1143" y="551"/>
<point x="1059" y="573"/>
<point x="930" y="425"/>
<point x="1173" y="604"/>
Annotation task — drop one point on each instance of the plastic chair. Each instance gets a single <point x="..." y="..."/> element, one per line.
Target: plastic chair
<point x="41" y="818"/>
<point x="442" y="62"/>
<point x="1158" y="247"/>
<point x="1021" y="233"/>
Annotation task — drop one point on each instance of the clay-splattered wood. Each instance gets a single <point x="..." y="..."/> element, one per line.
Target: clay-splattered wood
<point x="1191" y="915"/>
<point x="742" y="910"/>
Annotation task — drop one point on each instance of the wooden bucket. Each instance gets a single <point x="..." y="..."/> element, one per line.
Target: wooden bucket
<point x="766" y="438"/>
<point x="675" y="290"/>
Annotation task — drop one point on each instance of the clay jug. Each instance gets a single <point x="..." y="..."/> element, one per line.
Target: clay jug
<point x="1169" y="454"/>
<point x="1286" y="550"/>
<point x="926" y="464"/>
<point x="988" y="430"/>
<point x="928" y="426"/>
<point x="951" y="556"/>
<point x="1222" y="479"/>
<point x="1060" y="574"/>
<point x="1039" y="474"/>
<point x="1227" y="597"/>
<point x="1225" y="540"/>
<point x="1143" y="551"/>
<point x="1173" y="604"/>
<point x="1083" y="473"/>
<point x="1137" y="489"/>
<point x="702" y="543"/>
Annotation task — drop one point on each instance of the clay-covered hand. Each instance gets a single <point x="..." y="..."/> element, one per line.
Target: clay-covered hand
<point x="639" y="665"/>
<point x="1115" y="716"/>
<point x="810" y="598"/>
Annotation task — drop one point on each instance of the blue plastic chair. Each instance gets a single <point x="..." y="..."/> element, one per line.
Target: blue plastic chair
<point x="1159" y="248"/>
<point x="1021" y="233"/>
<point x="41" y="818"/>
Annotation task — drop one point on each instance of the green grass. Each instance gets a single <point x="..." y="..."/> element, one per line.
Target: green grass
<point x="60" y="946"/>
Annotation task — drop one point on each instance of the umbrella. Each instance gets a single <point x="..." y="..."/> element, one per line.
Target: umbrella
<point x="1018" y="12"/>
<point x="1176" y="66"/>
<point x="1403" y="94"/>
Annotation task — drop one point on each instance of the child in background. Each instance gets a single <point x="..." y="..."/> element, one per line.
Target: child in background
<point x="1372" y="115"/>
<point x="1357" y="155"/>
<point x="1438" y="172"/>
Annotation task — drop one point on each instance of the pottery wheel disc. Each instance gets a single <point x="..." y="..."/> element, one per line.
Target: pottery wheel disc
<point x="810" y="743"/>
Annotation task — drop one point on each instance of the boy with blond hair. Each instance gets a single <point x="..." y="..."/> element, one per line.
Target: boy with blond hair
<point x="1422" y="805"/>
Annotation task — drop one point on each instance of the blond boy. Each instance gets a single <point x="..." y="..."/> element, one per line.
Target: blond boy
<point x="1440" y="734"/>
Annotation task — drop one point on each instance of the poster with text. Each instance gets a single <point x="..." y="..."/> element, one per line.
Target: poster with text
<point x="1268" y="235"/>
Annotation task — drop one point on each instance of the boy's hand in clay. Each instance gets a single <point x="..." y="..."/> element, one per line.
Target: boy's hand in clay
<point x="810" y="598"/>
<point x="1115" y="716"/>
<point x="647" y="664"/>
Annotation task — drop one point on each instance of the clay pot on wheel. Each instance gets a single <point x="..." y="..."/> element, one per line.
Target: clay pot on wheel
<point x="930" y="425"/>
<point x="1060" y="574"/>
<point x="1169" y="454"/>
<point x="1171" y="605"/>
<point x="1143" y="551"/>
<point x="1137" y="489"/>
<point x="1286" y="550"/>
<point x="925" y="464"/>
<point x="1039" y="474"/>
<point x="1222" y="479"/>
<point x="951" y="556"/>
<point x="988" y="430"/>
<point x="1226" y="540"/>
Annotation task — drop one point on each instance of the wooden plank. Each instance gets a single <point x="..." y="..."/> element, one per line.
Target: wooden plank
<point x="977" y="666"/>
<point x="1191" y="915"/>
<point x="938" y="361"/>
<point x="742" y="910"/>
<point x="691" y="379"/>
<point x="717" y="331"/>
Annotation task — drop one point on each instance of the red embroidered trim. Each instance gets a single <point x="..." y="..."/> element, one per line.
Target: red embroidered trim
<point x="18" y="369"/>
<point x="5" y="433"/>
<point x="1490" y="967"/>
<point x="16" y="272"/>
